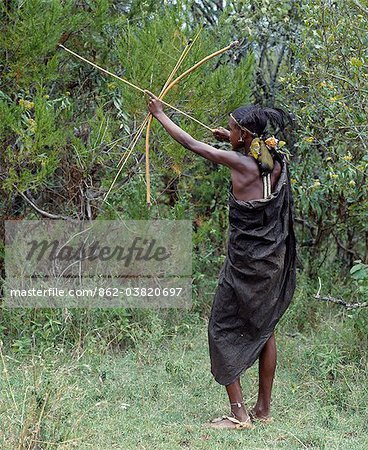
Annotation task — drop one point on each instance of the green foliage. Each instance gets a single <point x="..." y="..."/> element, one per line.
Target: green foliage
<point x="327" y="90"/>
<point x="309" y="59"/>
<point x="64" y="127"/>
<point x="359" y="273"/>
<point x="63" y="121"/>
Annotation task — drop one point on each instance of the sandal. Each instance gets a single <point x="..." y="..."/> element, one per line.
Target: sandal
<point x="216" y="423"/>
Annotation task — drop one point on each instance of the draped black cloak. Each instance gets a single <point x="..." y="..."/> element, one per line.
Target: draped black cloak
<point x="256" y="282"/>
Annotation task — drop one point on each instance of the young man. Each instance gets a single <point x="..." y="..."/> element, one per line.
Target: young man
<point x="257" y="280"/>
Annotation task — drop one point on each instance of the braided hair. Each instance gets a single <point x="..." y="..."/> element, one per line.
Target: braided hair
<point x="255" y="118"/>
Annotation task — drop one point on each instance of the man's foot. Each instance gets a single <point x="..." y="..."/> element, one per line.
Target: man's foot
<point x="261" y="416"/>
<point x="231" y="422"/>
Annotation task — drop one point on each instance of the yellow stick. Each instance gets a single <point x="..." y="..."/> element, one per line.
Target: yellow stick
<point x="148" y="175"/>
<point x="103" y="70"/>
<point x="148" y="129"/>
<point x="125" y="157"/>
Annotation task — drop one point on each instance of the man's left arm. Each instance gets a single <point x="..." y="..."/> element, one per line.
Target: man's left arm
<point x="227" y="158"/>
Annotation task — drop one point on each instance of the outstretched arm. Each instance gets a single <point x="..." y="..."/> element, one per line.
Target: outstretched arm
<point x="227" y="158"/>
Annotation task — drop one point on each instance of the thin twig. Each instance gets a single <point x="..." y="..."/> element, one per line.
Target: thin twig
<point x="341" y="302"/>
<point x="41" y="211"/>
<point x="125" y="158"/>
<point x="338" y="301"/>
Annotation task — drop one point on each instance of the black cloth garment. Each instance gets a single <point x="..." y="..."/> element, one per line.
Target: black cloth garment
<point x="257" y="280"/>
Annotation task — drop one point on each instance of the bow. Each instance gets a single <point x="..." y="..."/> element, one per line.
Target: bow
<point x="147" y="122"/>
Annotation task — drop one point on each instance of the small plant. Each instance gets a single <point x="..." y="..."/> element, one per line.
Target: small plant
<point x="359" y="273"/>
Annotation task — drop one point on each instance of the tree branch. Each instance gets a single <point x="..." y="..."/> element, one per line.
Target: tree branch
<point x="338" y="301"/>
<point x="41" y="211"/>
<point x="341" y="302"/>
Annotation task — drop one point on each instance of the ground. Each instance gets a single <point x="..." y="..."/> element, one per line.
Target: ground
<point x="159" y="395"/>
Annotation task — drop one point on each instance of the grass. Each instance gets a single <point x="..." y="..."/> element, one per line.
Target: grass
<point x="159" y="394"/>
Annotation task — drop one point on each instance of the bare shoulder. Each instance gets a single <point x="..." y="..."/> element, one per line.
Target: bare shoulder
<point x="237" y="157"/>
<point x="245" y="164"/>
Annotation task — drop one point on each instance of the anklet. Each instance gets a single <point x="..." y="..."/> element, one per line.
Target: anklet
<point x="238" y="404"/>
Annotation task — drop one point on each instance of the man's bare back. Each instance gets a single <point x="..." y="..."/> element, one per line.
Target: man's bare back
<point x="247" y="181"/>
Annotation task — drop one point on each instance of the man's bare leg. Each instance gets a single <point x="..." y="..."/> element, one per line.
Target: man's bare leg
<point x="235" y="393"/>
<point x="238" y="411"/>
<point x="267" y="367"/>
